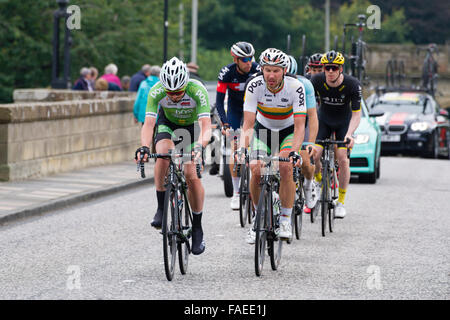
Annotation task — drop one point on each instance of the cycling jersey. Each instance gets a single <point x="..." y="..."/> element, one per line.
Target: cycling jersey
<point x="276" y="111"/>
<point x="336" y="105"/>
<point x="310" y="102"/>
<point x="193" y="106"/>
<point x="229" y="78"/>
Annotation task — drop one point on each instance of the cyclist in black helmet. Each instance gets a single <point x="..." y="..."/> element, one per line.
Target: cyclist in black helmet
<point x="314" y="65"/>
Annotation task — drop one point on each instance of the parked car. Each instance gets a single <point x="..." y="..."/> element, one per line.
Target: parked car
<point x="413" y="123"/>
<point x="365" y="156"/>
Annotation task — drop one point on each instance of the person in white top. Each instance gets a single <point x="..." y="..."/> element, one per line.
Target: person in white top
<point x="276" y="103"/>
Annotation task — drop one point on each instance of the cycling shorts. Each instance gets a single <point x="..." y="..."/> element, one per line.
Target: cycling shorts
<point x="267" y="141"/>
<point x="326" y="130"/>
<point x="166" y="129"/>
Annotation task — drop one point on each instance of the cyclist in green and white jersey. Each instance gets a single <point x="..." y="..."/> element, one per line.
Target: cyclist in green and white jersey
<point x="182" y="102"/>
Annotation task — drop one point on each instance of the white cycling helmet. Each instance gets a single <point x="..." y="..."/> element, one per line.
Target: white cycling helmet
<point x="273" y="57"/>
<point x="242" y="49"/>
<point x="174" y="74"/>
<point x="292" y="65"/>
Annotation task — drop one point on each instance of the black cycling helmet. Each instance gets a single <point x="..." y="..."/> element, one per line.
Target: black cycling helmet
<point x="314" y="60"/>
<point x="242" y="49"/>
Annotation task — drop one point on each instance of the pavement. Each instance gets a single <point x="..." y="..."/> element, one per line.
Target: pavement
<point x="23" y="199"/>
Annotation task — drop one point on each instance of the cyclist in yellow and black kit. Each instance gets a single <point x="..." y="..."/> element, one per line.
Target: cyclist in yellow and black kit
<point x="340" y="112"/>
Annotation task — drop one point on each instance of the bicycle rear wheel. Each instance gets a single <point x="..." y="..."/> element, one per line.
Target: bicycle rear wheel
<point x="261" y="230"/>
<point x="324" y="198"/>
<point x="186" y="227"/>
<point x="169" y="225"/>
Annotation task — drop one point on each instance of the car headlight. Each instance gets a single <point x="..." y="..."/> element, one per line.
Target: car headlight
<point x="361" y="138"/>
<point x="419" y="126"/>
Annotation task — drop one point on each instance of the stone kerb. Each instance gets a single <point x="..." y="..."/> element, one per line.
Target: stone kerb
<point x="38" y="139"/>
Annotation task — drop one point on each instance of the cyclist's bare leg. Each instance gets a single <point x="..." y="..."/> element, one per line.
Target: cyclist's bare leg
<point x="344" y="168"/>
<point x="162" y="165"/>
<point x="318" y="164"/>
<point x="307" y="167"/>
<point x="287" y="185"/>
<point x="255" y="188"/>
<point x="196" y="192"/>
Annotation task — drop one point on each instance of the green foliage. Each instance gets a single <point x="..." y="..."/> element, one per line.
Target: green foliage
<point x="129" y="33"/>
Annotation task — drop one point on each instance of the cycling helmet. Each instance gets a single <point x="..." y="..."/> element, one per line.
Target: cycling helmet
<point x="314" y="60"/>
<point x="273" y="57"/>
<point x="332" y="57"/>
<point x="242" y="49"/>
<point x="292" y="65"/>
<point x="174" y="74"/>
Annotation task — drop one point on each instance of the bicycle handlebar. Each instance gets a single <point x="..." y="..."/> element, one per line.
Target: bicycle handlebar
<point x="141" y="168"/>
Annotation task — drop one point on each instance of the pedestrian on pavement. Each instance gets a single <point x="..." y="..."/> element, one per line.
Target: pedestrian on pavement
<point x="140" y="104"/>
<point x="84" y="82"/>
<point x="138" y="77"/>
<point x="111" y="75"/>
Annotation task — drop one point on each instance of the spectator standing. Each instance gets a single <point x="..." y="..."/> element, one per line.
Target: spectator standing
<point x="111" y="75"/>
<point x="125" y="83"/>
<point x="84" y="82"/>
<point x="138" y="77"/>
<point x="193" y="72"/>
<point x="94" y="75"/>
<point x="140" y="105"/>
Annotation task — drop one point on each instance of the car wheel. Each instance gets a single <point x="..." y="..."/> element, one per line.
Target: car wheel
<point x="434" y="152"/>
<point x="378" y="169"/>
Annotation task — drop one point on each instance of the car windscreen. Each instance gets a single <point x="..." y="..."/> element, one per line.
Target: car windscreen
<point x="402" y="107"/>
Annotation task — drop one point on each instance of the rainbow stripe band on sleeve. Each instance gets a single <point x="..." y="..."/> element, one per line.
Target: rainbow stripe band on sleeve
<point x="299" y="114"/>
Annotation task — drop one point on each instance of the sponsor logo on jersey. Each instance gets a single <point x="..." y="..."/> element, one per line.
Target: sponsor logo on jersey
<point x="223" y="72"/>
<point x="254" y="85"/>
<point x="156" y="92"/>
<point x="202" y="97"/>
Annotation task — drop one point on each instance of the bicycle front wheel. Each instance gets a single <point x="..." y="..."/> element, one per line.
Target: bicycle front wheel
<point x="186" y="228"/>
<point x="169" y="227"/>
<point x="244" y="196"/>
<point x="297" y="212"/>
<point x="274" y="243"/>
<point x="262" y="213"/>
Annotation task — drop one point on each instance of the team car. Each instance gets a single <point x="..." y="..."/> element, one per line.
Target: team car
<point x="365" y="155"/>
<point x="413" y="123"/>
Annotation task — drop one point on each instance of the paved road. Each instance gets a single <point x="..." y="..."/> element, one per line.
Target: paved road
<point x="394" y="244"/>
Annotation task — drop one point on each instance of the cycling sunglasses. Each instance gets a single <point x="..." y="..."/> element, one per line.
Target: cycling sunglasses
<point x="246" y="59"/>
<point x="331" y="68"/>
<point x="174" y="93"/>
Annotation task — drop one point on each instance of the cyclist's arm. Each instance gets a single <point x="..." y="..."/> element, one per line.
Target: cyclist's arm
<point x="250" y="107"/>
<point x="220" y="95"/>
<point x="313" y="123"/>
<point x="299" y="106"/>
<point x="356" y="112"/>
<point x="311" y="109"/>
<point x="155" y="95"/>
<point x="200" y="95"/>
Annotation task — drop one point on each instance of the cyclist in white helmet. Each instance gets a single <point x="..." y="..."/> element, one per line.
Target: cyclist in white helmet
<point x="183" y="102"/>
<point x="232" y="79"/>
<point x="275" y="110"/>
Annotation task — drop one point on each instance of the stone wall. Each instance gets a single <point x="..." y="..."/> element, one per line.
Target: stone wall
<point x="38" y="139"/>
<point x="36" y="95"/>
